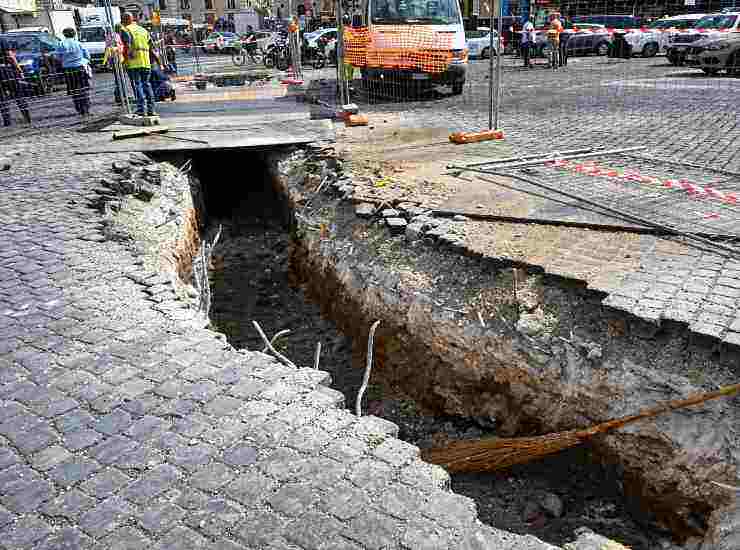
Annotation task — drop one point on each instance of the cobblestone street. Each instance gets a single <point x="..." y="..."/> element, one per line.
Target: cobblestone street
<point x="126" y="424"/>
<point x="122" y="426"/>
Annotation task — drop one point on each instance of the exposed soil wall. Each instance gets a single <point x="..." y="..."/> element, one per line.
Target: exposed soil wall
<point x="549" y="357"/>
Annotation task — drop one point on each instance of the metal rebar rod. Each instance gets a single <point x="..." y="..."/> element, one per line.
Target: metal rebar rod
<point x="490" y="76"/>
<point x="551" y="159"/>
<point x="716" y="247"/>
<point x="499" y="55"/>
<point x="524" y="157"/>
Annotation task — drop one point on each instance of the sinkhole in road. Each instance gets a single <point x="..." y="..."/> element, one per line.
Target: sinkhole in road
<point x="250" y="280"/>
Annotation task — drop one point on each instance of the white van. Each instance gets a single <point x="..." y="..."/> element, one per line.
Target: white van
<point x="410" y="40"/>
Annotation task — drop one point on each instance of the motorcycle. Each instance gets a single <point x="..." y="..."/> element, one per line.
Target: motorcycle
<point x="277" y="55"/>
<point x="326" y="52"/>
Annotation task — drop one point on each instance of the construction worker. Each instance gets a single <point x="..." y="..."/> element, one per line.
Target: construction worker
<point x="139" y="47"/>
<point x="113" y="58"/>
<point x="77" y="72"/>
<point x="553" y="37"/>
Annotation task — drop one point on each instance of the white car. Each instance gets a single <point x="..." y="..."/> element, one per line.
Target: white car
<point x="313" y="38"/>
<point x="218" y="42"/>
<point x="658" y="36"/>
<point x="479" y="42"/>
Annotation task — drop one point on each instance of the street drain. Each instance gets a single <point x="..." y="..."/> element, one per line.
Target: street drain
<point x="250" y="281"/>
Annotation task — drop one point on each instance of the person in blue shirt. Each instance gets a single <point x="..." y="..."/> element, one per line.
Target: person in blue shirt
<point x="76" y="64"/>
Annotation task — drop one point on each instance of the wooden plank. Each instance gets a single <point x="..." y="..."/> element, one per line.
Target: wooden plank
<point x="128" y="134"/>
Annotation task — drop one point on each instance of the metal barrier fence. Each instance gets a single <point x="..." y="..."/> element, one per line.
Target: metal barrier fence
<point x="51" y="105"/>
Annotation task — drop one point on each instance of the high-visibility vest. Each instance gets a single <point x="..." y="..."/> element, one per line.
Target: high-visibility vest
<point x="139" y="50"/>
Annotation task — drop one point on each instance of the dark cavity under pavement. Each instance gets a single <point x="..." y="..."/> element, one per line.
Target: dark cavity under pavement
<point x="250" y="282"/>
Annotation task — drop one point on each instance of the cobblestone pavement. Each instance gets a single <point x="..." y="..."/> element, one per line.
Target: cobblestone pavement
<point x="677" y="113"/>
<point x="122" y="426"/>
<point x="595" y="102"/>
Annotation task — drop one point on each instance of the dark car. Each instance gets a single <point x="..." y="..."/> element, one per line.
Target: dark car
<point x="610" y="21"/>
<point x="713" y="55"/>
<point x="36" y="54"/>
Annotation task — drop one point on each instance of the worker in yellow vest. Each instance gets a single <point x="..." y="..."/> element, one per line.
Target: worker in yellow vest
<point x="139" y="49"/>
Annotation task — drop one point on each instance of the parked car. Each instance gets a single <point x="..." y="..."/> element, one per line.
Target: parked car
<point x="36" y="54"/>
<point x="609" y="21"/>
<point x="326" y="34"/>
<point x="583" y="39"/>
<point x="264" y="38"/>
<point x="713" y="55"/>
<point x="656" y="38"/>
<point x="218" y="42"/>
<point x="479" y="43"/>
<point x="714" y="26"/>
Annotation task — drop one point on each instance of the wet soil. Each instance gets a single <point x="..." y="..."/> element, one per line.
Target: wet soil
<point x="250" y="281"/>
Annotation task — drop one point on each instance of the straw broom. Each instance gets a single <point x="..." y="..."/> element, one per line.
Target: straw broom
<point x="491" y="454"/>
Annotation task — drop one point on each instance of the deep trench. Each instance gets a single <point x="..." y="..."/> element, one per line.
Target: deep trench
<point x="250" y="281"/>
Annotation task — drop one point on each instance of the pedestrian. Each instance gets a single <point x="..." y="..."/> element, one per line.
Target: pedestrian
<point x="76" y="65"/>
<point x="113" y="59"/>
<point x="528" y="45"/>
<point x="564" y="38"/>
<point x="12" y="85"/>
<point x="140" y="49"/>
<point x="553" y="37"/>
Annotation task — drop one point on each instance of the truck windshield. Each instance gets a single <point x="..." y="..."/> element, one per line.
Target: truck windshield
<point x="716" y="22"/>
<point x="96" y="34"/>
<point x="440" y="12"/>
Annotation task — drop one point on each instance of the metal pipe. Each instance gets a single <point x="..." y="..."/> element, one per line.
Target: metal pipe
<point x="552" y="159"/>
<point x="524" y="157"/>
<point x="712" y="245"/>
<point x="343" y="85"/>
<point x="498" y="65"/>
<point x="490" y="75"/>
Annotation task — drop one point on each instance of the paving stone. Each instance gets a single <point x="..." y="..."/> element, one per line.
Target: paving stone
<point x="67" y="538"/>
<point x="344" y="501"/>
<point x="111" y="449"/>
<point x="250" y="487"/>
<point x="104" y="484"/>
<point x="312" y="529"/>
<point x="373" y="530"/>
<point x="427" y="535"/>
<point x="72" y="471"/>
<point x="114" y="422"/>
<point x="151" y="484"/>
<point x="242" y="455"/>
<point x="191" y="457"/>
<point x="371" y="475"/>
<point x="181" y="538"/>
<point x="211" y="477"/>
<point x="160" y="518"/>
<point x="449" y="509"/>
<point x="106" y="516"/>
<point x="125" y="538"/>
<point x="80" y="439"/>
<point x="50" y="457"/>
<point x="25" y="532"/>
<point x="70" y="505"/>
<point x="293" y="499"/>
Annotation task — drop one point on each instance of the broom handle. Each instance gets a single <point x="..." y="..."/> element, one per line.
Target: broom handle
<point x="655" y="411"/>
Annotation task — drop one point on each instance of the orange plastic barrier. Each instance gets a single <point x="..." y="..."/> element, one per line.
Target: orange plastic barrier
<point x="407" y="47"/>
<point x="356" y="120"/>
<point x="474" y="137"/>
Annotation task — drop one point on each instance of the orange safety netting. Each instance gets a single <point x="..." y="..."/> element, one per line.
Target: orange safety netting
<point x="407" y="47"/>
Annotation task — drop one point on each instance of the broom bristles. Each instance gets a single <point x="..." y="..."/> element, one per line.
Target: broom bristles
<point x="491" y="454"/>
